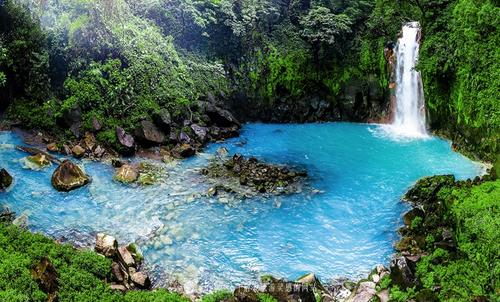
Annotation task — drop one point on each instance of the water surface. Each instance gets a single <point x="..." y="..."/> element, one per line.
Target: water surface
<point x="208" y="243"/>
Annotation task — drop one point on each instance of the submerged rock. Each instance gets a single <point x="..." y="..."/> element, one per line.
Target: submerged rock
<point x="5" y="179"/>
<point x="126" y="174"/>
<point x="259" y="176"/>
<point x="68" y="176"/>
<point x="36" y="162"/>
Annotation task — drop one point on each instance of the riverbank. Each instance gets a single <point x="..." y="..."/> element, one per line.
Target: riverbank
<point x="448" y="251"/>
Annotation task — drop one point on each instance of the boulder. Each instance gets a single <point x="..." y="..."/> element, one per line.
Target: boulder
<point x="383" y="295"/>
<point x="106" y="245"/>
<point x="89" y="141"/>
<point x="200" y="132"/>
<point x="39" y="161"/>
<point x="148" y="134"/>
<point x="402" y="272"/>
<point x="126" y="140"/>
<point x="286" y="291"/>
<point x="126" y="257"/>
<point x="118" y="274"/>
<point x="184" y="150"/>
<point x="412" y="214"/>
<point x="78" y="151"/>
<point x="141" y="280"/>
<point x="99" y="151"/>
<point x="72" y="119"/>
<point x="118" y="287"/>
<point x="52" y="147"/>
<point x="46" y="276"/>
<point x="5" y="179"/>
<point x="96" y="124"/>
<point x="312" y="280"/>
<point x="184" y="138"/>
<point x="68" y="176"/>
<point x="220" y="117"/>
<point x="364" y="293"/>
<point x="163" y="120"/>
<point x="126" y="174"/>
<point x="245" y="295"/>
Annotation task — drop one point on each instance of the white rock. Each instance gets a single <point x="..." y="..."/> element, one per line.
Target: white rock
<point x="106" y="245"/>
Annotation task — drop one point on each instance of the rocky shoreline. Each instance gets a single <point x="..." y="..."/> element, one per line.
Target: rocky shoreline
<point x="423" y="219"/>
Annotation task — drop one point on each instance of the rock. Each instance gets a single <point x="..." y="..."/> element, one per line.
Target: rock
<point x="245" y="295"/>
<point x="118" y="287"/>
<point x="285" y="291"/>
<point x="141" y="280"/>
<point x="99" y="151"/>
<point x="39" y="161"/>
<point x="117" y="272"/>
<point x="125" y="139"/>
<point x="258" y="176"/>
<point x="364" y="293"/>
<point x="126" y="174"/>
<point x="66" y="150"/>
<point x="117" y="163"/>
<point x="5" y="179"/>
<point x="383" y="295"/>
<point x="126" y="257"/>
<point x="69" y="176"/>
<point x="184" y="150"/>
<point x="148" y="134"/>
<point x="200" y="132"/>
<point x="89" y="141"/>
<point x="220" y="117"/>
<point x="412" y="214"/>
<point x="163" y="120"/>
<point x="402" y="272"/>
<point x="52" y="147"/>
<point x="78" y="151"/>
<point x="46" y="276"/>
<point x="96" y="124"/>
<point x="184" y="138"/>
<point x="425" y="189"/>
<point x="312" y="280"/>
<point x="106" y="245"/>
<point x="427" y="295"/>
<point x="72" y="118"/>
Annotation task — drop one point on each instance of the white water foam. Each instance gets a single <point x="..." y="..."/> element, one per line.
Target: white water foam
<point x="409" y="116"/>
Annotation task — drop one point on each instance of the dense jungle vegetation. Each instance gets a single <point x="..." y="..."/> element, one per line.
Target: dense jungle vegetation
<point x="124" y="60"/>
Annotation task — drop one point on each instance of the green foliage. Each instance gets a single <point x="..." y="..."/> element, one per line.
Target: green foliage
<point x="474" y="269"/>
<point x="265" y="297"/>
<point x="217" y="296"/>
<point x="460" y="69"/>
<point x="82" y="274"/>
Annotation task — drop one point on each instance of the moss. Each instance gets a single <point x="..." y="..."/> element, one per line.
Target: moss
<point x="83" y="275"/>
<point x="217" y="296"/>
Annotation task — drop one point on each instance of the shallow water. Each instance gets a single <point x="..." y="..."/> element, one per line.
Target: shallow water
<point x="208" y="243"/>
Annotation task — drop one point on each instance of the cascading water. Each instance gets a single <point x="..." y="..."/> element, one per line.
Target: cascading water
<point x="409" y="115"/>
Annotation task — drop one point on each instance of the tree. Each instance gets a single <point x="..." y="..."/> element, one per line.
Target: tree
<point x="321" y="28"/>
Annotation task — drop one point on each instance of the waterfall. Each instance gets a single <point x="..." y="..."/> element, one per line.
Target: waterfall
<point x="409" y="114"/>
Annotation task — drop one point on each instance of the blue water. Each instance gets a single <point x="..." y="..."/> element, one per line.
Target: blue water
<point x="205" y="243"/>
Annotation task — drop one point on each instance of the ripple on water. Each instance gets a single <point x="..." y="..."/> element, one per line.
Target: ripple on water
<point x="205" y="243"/>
